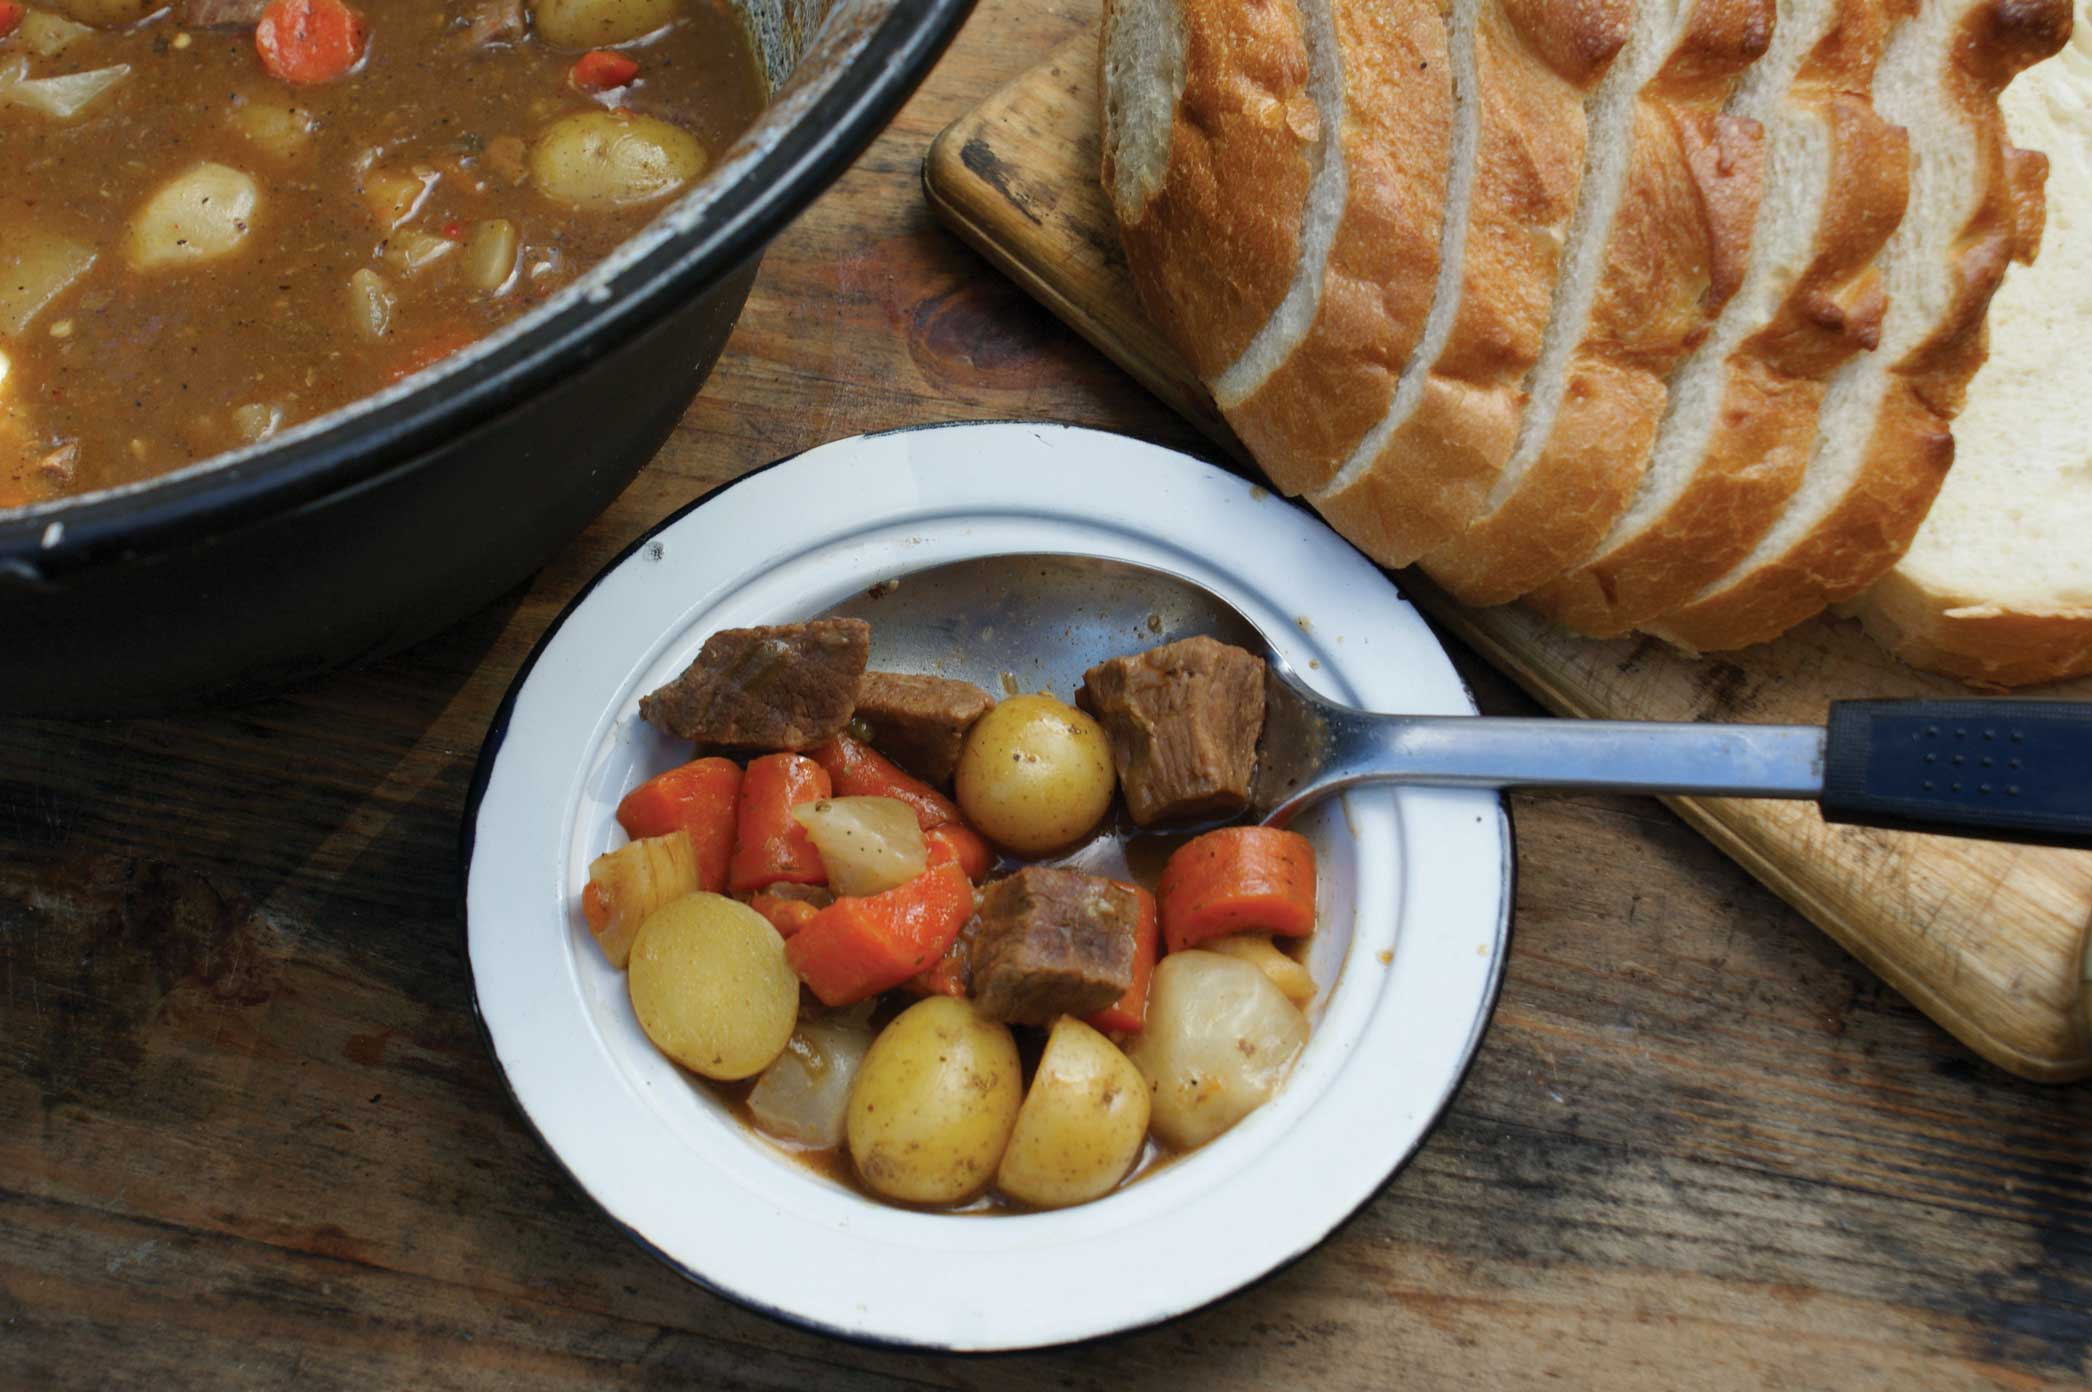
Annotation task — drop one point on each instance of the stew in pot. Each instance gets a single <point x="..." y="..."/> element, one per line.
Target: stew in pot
<point x="221" y="217"/>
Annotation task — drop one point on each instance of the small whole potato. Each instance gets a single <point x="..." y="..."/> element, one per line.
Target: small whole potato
<point x="934" y="1102"/>
<point x="1218" y="1041"/>
<point x="1082" y="1124"/>
<point x="596" y="160"/>
<point x="711" y="987"/>
<point x="599" y="23"/>
<point x="1035" y="774"/>
<point x="202" y="213"/>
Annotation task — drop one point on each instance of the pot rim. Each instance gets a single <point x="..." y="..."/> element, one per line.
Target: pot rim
<point x="359" y="444"/>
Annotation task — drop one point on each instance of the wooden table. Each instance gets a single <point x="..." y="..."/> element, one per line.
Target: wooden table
<point x="248" y="1135"/>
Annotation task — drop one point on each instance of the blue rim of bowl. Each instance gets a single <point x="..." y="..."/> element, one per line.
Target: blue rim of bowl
<point x="482" y="774"/>
<point x="366" y="442"/>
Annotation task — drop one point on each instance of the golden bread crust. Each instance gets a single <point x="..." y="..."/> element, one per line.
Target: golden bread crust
<point x="1534" y="61"/>
<point x="1766" y="428"/>
<point x="1209" y="263"/>
<point x="1315" y="407"/>
<point x="1674" y="255"/>
<point x="1910" y="446"/>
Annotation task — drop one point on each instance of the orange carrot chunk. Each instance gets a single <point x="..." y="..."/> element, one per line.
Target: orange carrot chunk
<point x="857" y="947"/>
<point x="949" y="974"/>
<point x="769" y="844"/>
<point x="309" y="41"/>
<point x="10" y="17"/>
<point x="1130" y="1011"/>
<point x="702" y="798"/>
<point x="963" y="846"/>
<point x="602" y="70"/>
<point x="858" y="770"/>
<point x="1238" y="880"/>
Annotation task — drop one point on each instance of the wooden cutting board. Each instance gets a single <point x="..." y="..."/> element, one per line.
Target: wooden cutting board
<point x="1988" y="939"/>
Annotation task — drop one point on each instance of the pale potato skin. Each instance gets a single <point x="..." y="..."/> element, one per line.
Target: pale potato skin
<point x="105" y="14"/>
<point x="1082" y="1124"/>
<point x="1035" y="774"/>
<point x="597" y="160"/>
<point x="201" y="214"/>
<point x="934" y="1103"/>
<point x="711" y="986"/>
<point x="599" y="23"/>
<point x="1218" y="1041"/>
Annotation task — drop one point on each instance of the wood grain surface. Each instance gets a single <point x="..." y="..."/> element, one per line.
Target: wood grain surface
<point x="249" y="1137"/>
<point x="1988" y="938"/>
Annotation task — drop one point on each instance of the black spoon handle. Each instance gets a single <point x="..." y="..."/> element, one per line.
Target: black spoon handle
<point x="2003" y="770"/>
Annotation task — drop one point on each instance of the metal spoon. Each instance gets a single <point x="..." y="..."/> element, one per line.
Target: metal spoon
<point x="2004" y="769"/>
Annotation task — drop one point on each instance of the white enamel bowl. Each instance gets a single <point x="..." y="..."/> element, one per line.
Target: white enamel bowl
<point x="1414" y="905"/>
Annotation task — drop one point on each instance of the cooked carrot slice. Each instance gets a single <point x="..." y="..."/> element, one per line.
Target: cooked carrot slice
<point x="602" y="70"/>
<point x="769" y="843"/>
<point x="857" y="947"/>
<point x="701" y="798"/>
<point x="1238" y="880"/>
<point x="858" y="770"/>
<point x="963" y="846"/>
<point x="310" y="41"/>
<point x="10" y="17"/>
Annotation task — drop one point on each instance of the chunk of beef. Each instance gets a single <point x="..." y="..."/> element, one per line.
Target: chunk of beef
<point x="496" y="22"/>
<point x="784" y="687"/>
<point x="920" y="722"/>
<point x="1183" y="720"/>
<point x="1053" y="942"/>
<point x="222" y="14"/>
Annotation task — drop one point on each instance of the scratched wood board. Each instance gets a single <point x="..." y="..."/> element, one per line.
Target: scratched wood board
<point x="1989" y="939"/>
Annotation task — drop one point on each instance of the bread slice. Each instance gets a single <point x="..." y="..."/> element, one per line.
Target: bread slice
<point x="1662" y="226"/>
<point x="1324" y="367"/>
<point x="1997" y="586"/>
<point x="1741" y="418"/>
<point x="1202" y="100"/>
<point x="1521" y="70"/>
<point x="1882" y="442"/>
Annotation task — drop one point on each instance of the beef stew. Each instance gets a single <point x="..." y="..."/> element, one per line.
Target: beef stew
<point x="225" y="217"/>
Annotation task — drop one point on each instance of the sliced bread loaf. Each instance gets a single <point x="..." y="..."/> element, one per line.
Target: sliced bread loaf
<point x="1204" y="99"/>
<point x="1997" y="586"/>
<point x="1521" y="71"/>
<point x="1882" y="441"/>
<point x="1741" y="418"/>
<point x="1662" y="226"/>
<point x="1324" y="367"/>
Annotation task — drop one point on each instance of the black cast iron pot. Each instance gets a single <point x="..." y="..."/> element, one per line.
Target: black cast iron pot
<point x="376" y="526"/>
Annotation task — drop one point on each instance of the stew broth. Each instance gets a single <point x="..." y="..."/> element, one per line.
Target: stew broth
<point x="128" y="372"/>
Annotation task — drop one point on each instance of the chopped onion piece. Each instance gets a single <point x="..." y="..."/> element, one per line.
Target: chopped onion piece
<point x="869" y="844"/>
<point x="61" y="97"/>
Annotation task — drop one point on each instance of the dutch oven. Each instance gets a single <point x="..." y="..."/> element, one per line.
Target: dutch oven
<point x="375" y="526"/>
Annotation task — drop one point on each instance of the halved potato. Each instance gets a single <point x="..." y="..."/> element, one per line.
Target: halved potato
<point x="201" y="214"/>
<point x="611" y="159"/>
<point x="599" y="23"/>
<point x="711" y="987"/>
<point x="934" y="1103"/>
<point x="1082" y="1124"/>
